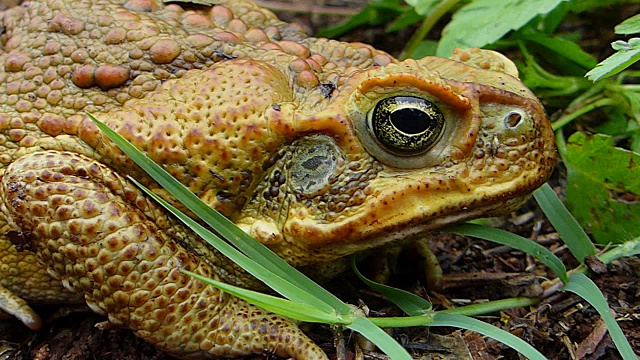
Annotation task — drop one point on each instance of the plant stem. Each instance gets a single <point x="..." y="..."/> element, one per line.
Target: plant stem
<point x="470" y="310"/>
<point x="588" y="96"/>
<point x="429" y="22"/>
<point x="403" y="321"/>
<point x="492" y="306"/>
<point x="561" y="143"/>
<point x="628" y="248"/>
<point x="564" y="120"/>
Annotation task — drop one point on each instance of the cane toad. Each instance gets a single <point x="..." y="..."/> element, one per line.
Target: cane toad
<point x="317" y="148"/>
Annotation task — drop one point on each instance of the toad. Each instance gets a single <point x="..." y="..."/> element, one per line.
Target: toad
<point x="317" y="148"/>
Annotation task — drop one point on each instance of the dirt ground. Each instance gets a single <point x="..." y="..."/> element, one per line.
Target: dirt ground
<point x="561" y="326"/>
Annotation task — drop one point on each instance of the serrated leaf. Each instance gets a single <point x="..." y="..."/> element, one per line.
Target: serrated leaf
<point x="629" y="26"/>
<point x="627" y="55"/>
<point x="603" y="191"/>
<point x="422" y="7"/>
<point x="483" y="22"/>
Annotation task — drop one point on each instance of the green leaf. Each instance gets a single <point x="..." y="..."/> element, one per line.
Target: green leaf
<point x="554" y="18"/>
<point x="627" y="55"/>
<point x="464" y="322"/>
<point x="515" y="241"/>
<point x="586" y="289"/>
<point x="570" y="231"/>
<point x="404" y="20"/>
<point x="409" y="303"/>
<point x="634" y="106"/>
<point x="579" y="6"/>
<point x="422" y="7"/>
<point x="546" y="84"/>
<point x="290" y="309"/>
<point x="376" y="12"/>
<point x="618" y="123"/>
<point x="629" y="26"/>
<point x="382" y="340"/>
<point x="483" y="22"/>
<point x="365" y="16"/>
<point x="603" y="190"/>
<point x="565" y="48"/>
<point x="425" y="48"/>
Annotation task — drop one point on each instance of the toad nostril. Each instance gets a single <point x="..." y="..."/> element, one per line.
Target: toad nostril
<point x="512" y="120"/>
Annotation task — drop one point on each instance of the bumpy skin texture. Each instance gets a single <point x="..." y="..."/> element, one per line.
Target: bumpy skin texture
<point x="262" y="123"/>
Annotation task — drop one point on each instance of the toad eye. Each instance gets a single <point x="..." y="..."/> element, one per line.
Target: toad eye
<point x="406" y="125"/>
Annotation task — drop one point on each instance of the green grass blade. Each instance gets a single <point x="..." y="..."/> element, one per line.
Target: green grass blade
<point x="222" y="225"/>
<point x="409" y="303"/>
<point x="586" y="289"/>
<point x="464" y="322"/>
<point x="382" y="340"/>
<point x="568" y="228"/>
<point x="503" y="237"/>
<point x="280" y="285"/>
<point x="628" y="248"/>
<point x="288" y="308"/>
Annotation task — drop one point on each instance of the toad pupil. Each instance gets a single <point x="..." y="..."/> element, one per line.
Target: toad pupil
<point x="410" y="121"/>
<point x="406" y="125"/>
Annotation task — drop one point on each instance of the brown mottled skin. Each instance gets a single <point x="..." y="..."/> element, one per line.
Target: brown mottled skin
<point x="263" y="124"/>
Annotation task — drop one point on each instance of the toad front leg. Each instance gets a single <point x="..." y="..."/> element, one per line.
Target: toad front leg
<point x="100" y="236"/>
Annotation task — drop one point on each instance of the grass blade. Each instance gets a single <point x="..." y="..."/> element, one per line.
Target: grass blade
<point x="568" y="228"/>
<point x="503" y="237"/>
<point x="582" y="286"/>
<point x="464" y="322"/>
<point x="288" y="308"/>
<point x="628" y="248"/>
<point x="382" y="340"/>
<point x="409" y="303"/>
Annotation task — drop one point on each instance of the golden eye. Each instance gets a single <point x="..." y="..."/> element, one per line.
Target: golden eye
<point x="406" y="125"/>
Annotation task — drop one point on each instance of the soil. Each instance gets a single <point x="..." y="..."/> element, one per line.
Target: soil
<point x="561" y="326"/>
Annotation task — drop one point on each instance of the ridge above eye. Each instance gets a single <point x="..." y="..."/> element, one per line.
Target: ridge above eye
<point x="406" y="125"/>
